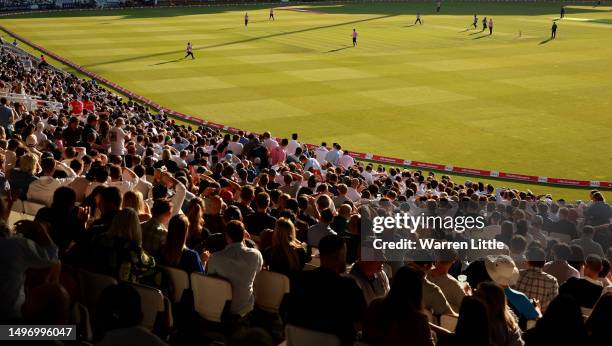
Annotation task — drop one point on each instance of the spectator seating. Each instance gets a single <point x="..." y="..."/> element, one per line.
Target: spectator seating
<point x="177" y="282"/>
<point x="562" y="237"/>
<point x="212" y="297"/>
<point x="91" y="286"/>
<point x="270" y="290"/>
<point x="298" y="336"/>
<point x="153" y="306"/>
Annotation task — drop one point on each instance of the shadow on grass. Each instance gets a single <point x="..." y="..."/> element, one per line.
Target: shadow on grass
<point x="339" y="49"/>
<point x="251" y="39"/>
<point x="169" y="61"/>
<point x="547" y="40"/>
<point x="479" y="37"/>
<point x="409" y="25"/>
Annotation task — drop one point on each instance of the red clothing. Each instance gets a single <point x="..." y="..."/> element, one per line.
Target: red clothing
<point x="89" y="105"/>
<point x="77" y="106"/>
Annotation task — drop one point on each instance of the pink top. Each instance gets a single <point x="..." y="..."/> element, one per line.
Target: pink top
<point x="354" y="34"/>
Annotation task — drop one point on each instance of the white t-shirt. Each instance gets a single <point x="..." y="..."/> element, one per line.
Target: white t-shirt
<point x="117" y="139"/>
<point x="235" y="147"/>
<point x="320" y="154"/>
<point x="290" y="149"/>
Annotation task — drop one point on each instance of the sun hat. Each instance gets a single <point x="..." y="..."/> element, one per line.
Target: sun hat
<point x="502" y="270"/>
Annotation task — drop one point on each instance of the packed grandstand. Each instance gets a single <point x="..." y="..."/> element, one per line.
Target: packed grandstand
<point x="139" y="230"/>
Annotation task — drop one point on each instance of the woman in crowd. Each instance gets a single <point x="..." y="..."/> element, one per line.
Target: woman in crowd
<point x="473" y="324"/>
<point x="197" y="231"/>
<point x="65" y="221"/>
<point x="504" y="327"/>
<point x="22" y="176"/>
<point x="561" y="324"/>
<point x="175" y="252"/>
<point x="119" y="252"/>
<point x="399" y="317"/>
<point x="287" y="255"/>
<point x="134" y="200"/>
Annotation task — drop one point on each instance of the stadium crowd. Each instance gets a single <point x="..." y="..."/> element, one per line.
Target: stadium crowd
<point x="125" y="190"/>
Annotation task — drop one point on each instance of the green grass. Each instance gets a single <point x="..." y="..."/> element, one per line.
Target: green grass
<point x="437" y="92"/>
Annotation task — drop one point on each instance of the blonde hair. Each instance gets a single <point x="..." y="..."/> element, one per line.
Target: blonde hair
<point x="195" y="215"/>
<point x="127" y="226"/>
<point x="134" y="200"/>
<point x="27" y="163"/>
<point x="284" y="242"/>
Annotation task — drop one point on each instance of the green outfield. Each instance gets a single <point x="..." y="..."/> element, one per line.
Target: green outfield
<point x="438" y="92"/>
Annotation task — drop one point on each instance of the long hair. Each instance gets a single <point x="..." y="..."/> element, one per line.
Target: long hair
<point x="599" y="323"/>
<point x="406" y="294"/>
<point x="172" y="251"/>
<point x="195" y="215"/>
<point x="127" y="226"/>
<point x="497" y="306"/>
<point x="284" y="242"/>
<point x="473" y="323"/>
<point x="134" y="200"/>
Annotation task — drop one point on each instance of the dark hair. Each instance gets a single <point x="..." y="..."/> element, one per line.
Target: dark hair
<point x="63" y="199"/>
<point x="406" y="293"/>
<point x="599" y="323"/>
<point x="562" y="323"/>
<point x="160" y="207"/>
<point x="119" y="306"/>
<point x="330" y="245"/>
<point x="235" y="231"/>
<point x="473" y="323"/>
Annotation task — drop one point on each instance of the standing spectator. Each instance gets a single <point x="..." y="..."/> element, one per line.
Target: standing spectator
<point x="7" y="115"/>
<point x="118" y="137"/>
<point x="71" y="136"/>
<point x="599" y="212"/>
<point x="323" y="300"/>
<point x="321" y="153"/>
<point x="238" y="264"/>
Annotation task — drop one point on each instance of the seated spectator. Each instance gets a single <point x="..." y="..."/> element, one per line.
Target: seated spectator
<point x="504" y="272"/>
<point x="585" y="290"/>
<point x="564" y="225"/>
<point x="134" y="200"/>
<point x="599" y="323"/>
<point x="198" y="233"/>
<point x="559" y="267"/>
<point x="322" y="300"/>
<point x="399" y="316"/>
<point x="321" y="229"/>
<point x="260" y="219"/>
<point x="174" y="252"/>
<point x="119" y="315"/>
<point x="577" y="257"/>
<point x="22" y="176"/>
<point x="451" y="288"/>
<point x="238" y="264"/>
<point x="369" y="275"/>
<point x="473" y="327"/>
<point x="287" y="255"/>
<point x="433" y="298"/>
<point x="502" y="323"/>
<point x="119" y="252"/>
<point x="534" y="282"/>
<point x="64" y="221"/>
<point x="154" y="231"/>
<point x="518" y="245"/>
<point x="561" y="324"/>
<point x="587" y="244"/>
<point x="17" y="255"/>
<point x="340" y="221"/>
<point x="42" y="190"/>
